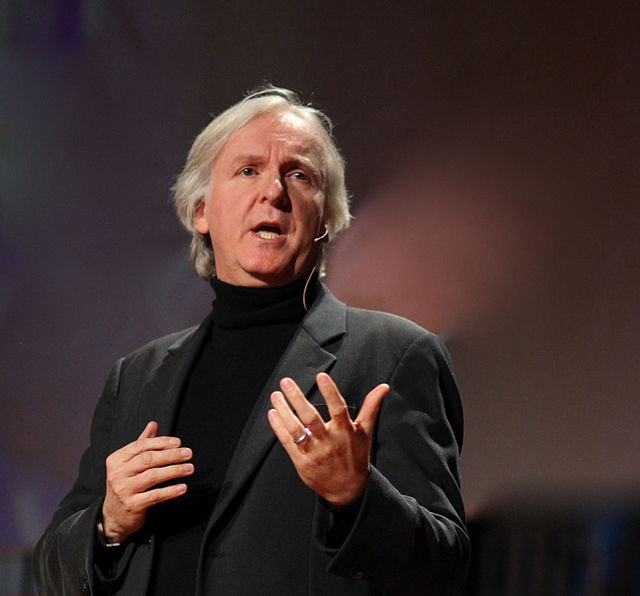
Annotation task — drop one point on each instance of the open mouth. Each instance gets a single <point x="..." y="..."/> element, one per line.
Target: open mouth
<point x="267" y="232"/>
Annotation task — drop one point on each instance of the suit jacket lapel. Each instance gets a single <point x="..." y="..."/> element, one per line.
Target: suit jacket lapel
<point x="161" y="396"/>
<point x="303" y="359"/>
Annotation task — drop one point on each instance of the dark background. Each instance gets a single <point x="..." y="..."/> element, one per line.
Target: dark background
<point x="492" y="153"/>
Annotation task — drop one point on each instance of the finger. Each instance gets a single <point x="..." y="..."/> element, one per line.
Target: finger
<point x="289" y="420"/>
<point x="306" y="413"/>
<point x="142" y="501"/>
<point x="152" y="476"/>
<point x="151" y="430"/>
<point x="156" y="459"/>
<point x="131" y="450"/>
<point x="370" y="407"/>
<point x="335" y="402"/>
<point x="283" y="435"/>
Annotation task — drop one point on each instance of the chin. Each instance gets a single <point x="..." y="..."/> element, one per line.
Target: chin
<point x="277" y="273"/>
<point x="277" y="277"/>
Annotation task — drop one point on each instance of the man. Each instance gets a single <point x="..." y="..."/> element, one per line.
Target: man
<point x="289" y="444"/>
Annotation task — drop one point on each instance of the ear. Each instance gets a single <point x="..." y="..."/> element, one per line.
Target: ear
<point x="200" y="219"/>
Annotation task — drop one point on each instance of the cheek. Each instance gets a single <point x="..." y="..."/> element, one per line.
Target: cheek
<point x="314" y="210"/>
<point x="220" y="217"/>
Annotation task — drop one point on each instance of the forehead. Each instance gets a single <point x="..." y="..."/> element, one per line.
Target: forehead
<point x="284" y="132"/>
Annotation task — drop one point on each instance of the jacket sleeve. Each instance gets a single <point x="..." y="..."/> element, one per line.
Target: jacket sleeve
<point x="408" y="536"/>
<point x="64" y="556"/>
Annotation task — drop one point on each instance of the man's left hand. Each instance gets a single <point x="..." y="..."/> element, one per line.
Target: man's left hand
<point x="331" y="458"/>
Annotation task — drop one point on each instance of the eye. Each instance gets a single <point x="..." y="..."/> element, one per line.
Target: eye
<point x="248" y="171"/>
<point x="298" y="175"/>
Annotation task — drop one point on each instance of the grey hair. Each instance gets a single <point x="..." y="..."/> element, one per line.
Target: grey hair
<point x="193" y="183"/>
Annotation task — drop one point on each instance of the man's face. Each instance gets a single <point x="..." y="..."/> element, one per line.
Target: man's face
<point x="265" y="204"/>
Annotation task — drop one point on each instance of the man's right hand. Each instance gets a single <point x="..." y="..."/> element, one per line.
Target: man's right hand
<point x="132" y="471"/>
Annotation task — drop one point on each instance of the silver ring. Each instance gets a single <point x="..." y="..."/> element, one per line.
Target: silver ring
<point x="304" y="437"/>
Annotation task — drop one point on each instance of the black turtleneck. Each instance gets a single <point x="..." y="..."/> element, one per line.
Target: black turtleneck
<point x="250" y="330"/>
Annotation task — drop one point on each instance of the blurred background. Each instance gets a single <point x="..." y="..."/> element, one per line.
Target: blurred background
<point x="492" y="152"/>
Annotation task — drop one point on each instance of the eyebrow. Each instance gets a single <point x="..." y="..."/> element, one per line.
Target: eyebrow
<point x="248" y="158"/>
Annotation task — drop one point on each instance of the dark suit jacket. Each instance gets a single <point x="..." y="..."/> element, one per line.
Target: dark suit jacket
<point x="269" y="534"/>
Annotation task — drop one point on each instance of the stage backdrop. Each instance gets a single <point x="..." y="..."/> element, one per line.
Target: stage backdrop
<point x="492" y="154"/>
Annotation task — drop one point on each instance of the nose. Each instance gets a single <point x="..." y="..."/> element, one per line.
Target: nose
<point x="275" y="192"/>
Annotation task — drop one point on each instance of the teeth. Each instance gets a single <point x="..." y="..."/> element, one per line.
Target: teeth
<point x="267" y="235"/>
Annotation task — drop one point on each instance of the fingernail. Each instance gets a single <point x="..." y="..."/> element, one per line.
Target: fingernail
<point x="186" y="452"/>
<point x="174" y="441"/>
<point x="286" y="383"/>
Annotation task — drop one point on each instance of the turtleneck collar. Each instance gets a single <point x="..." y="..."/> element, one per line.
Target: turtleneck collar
<point x="237" y="307"/>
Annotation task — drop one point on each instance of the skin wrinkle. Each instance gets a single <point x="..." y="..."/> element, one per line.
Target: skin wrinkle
<point x="265" y="172"/>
